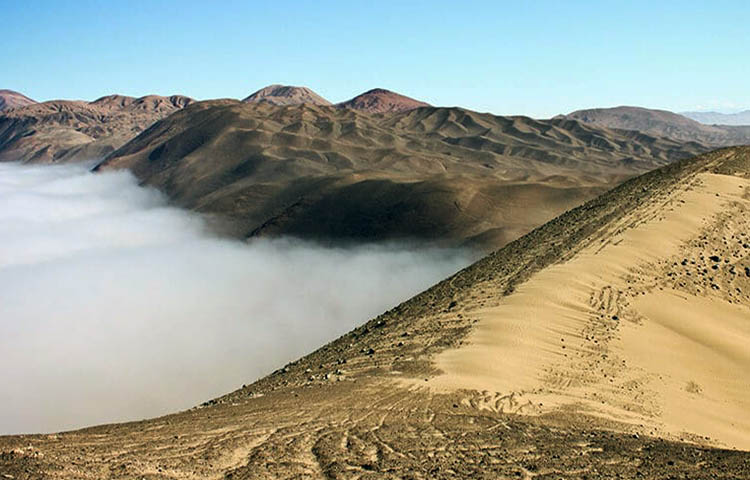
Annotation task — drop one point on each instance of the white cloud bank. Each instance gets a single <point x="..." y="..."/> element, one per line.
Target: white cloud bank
<point x="115" y="306"/>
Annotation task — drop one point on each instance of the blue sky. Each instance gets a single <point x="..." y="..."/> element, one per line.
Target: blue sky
<point x="536" y="58"/>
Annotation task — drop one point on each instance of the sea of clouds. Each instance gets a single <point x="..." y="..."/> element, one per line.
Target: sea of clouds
<point x="116" y="306"/>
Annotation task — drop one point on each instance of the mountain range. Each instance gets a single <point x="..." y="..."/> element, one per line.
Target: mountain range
<point x="73" y="130"/>
<point x="380" y="166"/>
<point x="333" y="174"/>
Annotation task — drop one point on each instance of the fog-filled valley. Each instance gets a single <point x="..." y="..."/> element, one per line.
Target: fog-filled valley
<point x="116" y="306"/>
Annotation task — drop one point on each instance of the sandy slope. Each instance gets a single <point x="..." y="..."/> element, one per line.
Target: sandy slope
<point x="613" y="333"/>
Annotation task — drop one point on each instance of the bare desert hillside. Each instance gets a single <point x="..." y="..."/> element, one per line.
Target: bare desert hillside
<point x="608" y="343"/>
<point x="286" y="95"/>
<point x="433" y="174"/>
<point x="10" y="99"/>
<point x="380" y="100"/>
<point x="73" y="130"/>
<point x="664" y="124"/>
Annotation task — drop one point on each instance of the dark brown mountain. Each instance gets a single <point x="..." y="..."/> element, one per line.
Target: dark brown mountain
<point x="10" y="99"/>
<point x="595" y="347"/>
<point x="379" y="100"/>
<point x="446" y="175"/>
<point x="70" y="130"/>
<point x="664" y="124"/>
<point x="286" y="95"/>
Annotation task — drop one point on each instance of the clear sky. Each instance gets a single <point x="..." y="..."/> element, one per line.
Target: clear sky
<point x="535" y="57"/>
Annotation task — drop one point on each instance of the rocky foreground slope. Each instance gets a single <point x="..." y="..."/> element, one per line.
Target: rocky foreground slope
<point x="608" y="343"/>
<point x="433" y="174"/>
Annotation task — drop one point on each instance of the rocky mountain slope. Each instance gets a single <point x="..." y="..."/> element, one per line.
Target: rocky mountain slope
<point x="70" y="130"/>
<point x="435" y="174"/>
<point x="608" y="343"/>
<point x="664" y="124"/>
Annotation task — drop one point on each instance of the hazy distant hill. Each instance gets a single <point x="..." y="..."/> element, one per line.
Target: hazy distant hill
<point x="73" y="130"/>
<point x="663" y="123"/>
<point x="440" y="174"/>
<point x="716" y="118"/>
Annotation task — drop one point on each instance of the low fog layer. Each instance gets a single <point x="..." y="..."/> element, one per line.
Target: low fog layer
<point x="115" y="306"/>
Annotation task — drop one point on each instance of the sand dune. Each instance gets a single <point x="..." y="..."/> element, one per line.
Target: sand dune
<point x="609" y="342"/>
<point x="623" y="330"/>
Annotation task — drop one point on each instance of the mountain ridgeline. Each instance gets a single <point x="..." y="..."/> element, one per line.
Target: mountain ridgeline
<point x="664" y="124"/>
<point x="445" y="175"/>
<point x="380" y="166"/>
<point x="60" y="131"/>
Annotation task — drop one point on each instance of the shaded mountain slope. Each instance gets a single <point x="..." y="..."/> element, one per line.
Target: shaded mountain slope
<point x="69" y="130"/>
<point x="664" y="124"/>
<point x="617" y="376"/>
<point x="437" y="174"/>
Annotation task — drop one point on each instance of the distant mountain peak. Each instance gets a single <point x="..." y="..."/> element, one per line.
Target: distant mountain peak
<point x="380" y="100"/>
<point x="12" y="99"/>
<point x="286" y="95"/>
